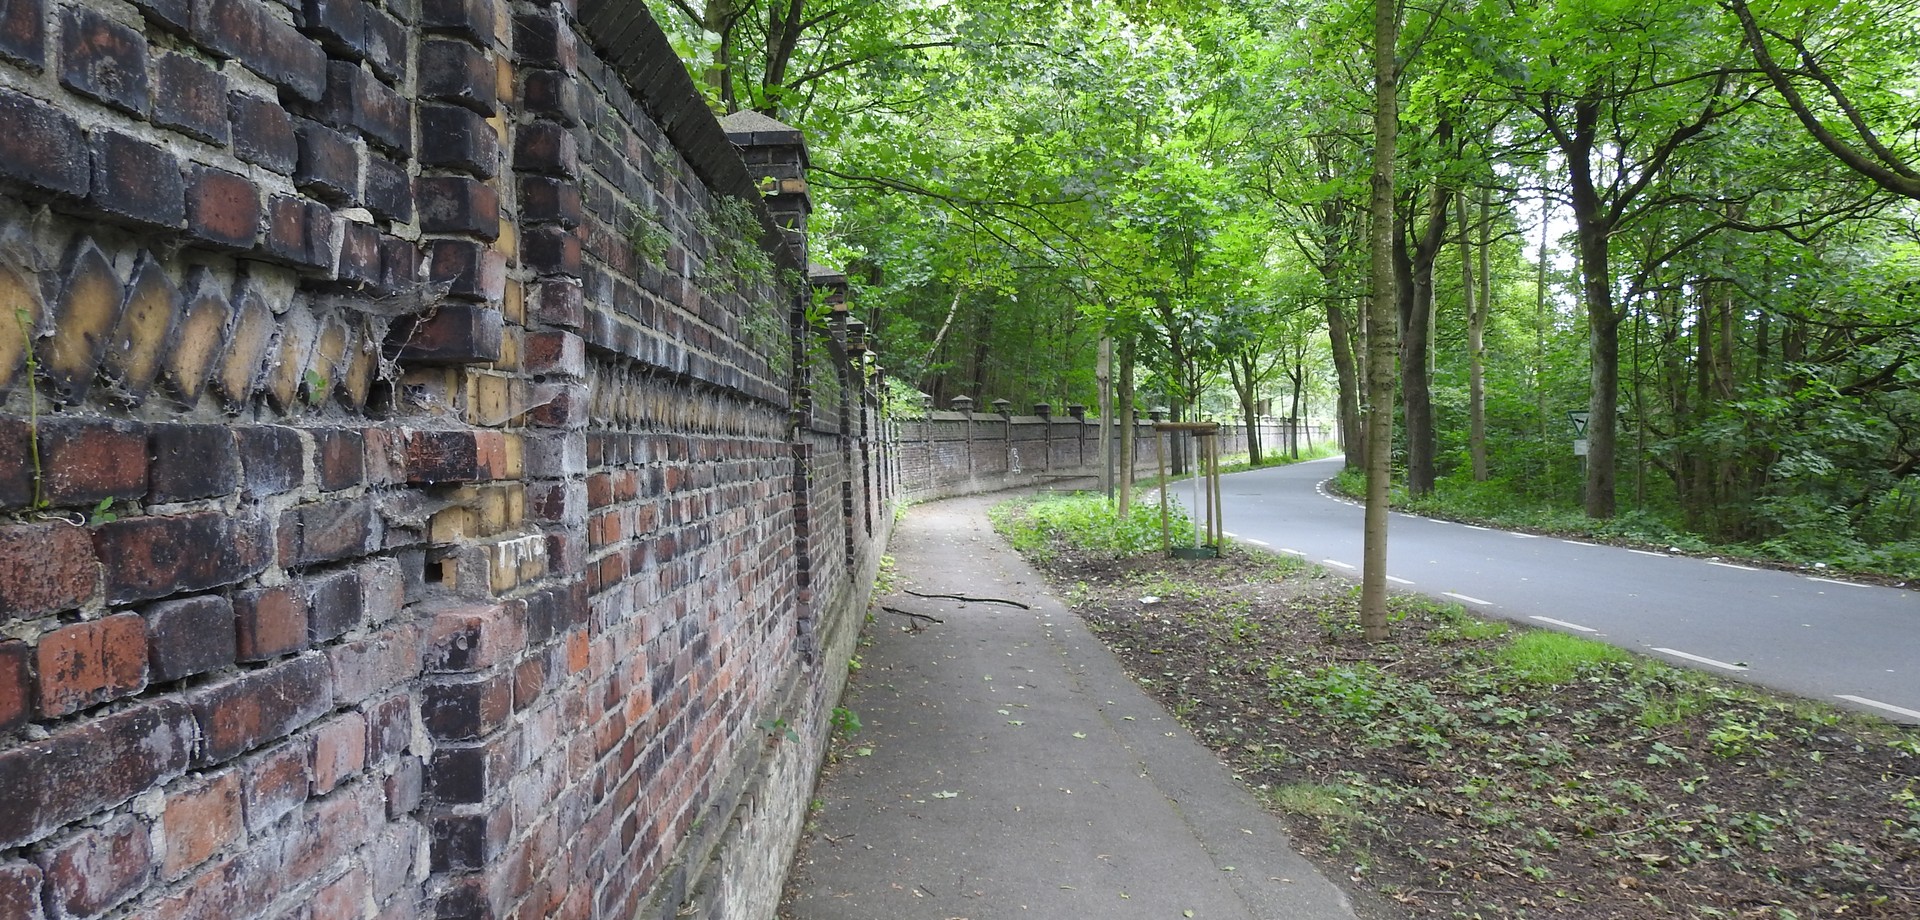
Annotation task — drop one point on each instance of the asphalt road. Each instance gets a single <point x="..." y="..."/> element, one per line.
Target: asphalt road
<point x="1851" y="644"/>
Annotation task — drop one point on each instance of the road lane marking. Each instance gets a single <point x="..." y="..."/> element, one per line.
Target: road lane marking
<point x="1338" y="563"/>
<point x="1648" y="553"/>
<point x="1690" y="657"/>
<point x="1578" y="543"/>
<point x="1258" y="542"/>
<point x="1293" y="552"/>
<point x="1573" y="626"/>
<point x="1473" y="527"/>
<point x="1466" y="599"/>
<point x="1879" y="705"/>
<point x="1729" y="565"/>
<point x="1850" y="584"/>
<point x="1230" y="533"/>
<point x="1398" y="581"/>
<point x="1524" y="536"/>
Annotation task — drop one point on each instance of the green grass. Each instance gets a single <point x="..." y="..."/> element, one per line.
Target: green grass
<point x="1088" y="521"/>
<point x="1550" y="658"/>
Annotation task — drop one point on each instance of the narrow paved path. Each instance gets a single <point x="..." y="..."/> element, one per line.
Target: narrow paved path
<point x="1007" y="767"/>
<point x="1852" y="644"/>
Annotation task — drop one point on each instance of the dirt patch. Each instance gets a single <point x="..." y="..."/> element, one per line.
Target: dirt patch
<point x="1452" y="776"/>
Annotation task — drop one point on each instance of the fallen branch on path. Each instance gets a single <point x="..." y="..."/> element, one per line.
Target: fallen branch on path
<point x="908" y="613"/>
<point x="977" y="600"/>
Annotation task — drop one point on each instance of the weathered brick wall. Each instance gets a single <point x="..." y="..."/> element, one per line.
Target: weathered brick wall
<point x="954" y="453"/>
<point x="395" y="526"/>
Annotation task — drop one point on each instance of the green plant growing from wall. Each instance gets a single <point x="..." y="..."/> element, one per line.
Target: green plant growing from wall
<point x="649" y="241"/>
<point x="732" y="226"/>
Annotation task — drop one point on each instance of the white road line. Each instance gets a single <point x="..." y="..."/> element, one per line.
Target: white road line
<point x="1338" y="563"/>
<point x="1293" y="552"/>
<point x="1573" y="626"/>
<point x="1467" y="600"/>
<point x="1647" y="553"/>
<point x="1473" y="527"/>
<point x="1398" y="581"/>
<point x="1230" y="534"/>
<point x="1718" y="664"/>
<point x="1578" y="543"/>
<point x="1729" y="565"/>
<point x="1258" y="542"/>
<point x="1850" y="584"/>
<point x="1879" y="705"/>
<point x="1524" y="536"/>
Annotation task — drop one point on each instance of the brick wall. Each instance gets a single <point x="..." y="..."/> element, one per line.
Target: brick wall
<point x="411" y="506"/>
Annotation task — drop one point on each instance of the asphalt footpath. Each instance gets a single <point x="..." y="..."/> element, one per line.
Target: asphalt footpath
<point x="1006" y="766"/>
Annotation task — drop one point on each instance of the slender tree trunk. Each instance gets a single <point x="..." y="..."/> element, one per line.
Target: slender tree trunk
<point x="1103" y="379"/>
<point x="1380" y="344"/>
<point x="1126" y="429"/>
<point x="1477" y="301"/>
<point x="1347" y="381"/>
<point x="1413" y="262"/>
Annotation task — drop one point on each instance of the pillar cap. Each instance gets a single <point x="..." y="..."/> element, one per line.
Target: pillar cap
<point x="747" y="128"/>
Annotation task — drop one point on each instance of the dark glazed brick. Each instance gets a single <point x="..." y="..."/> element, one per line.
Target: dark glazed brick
<point x="457" y="72"/>
<point x="190" y="96"/>
<point x="329" y="532"/>
<point x="269" y="622"/>
<point x="549" y="201"/>
<point x="86" y="460"/>
<point x="222" y="208"/>
<point x="359" y="254"/>
<point x="190" y="462"/>
<point x="389" y="192"/>
<point x="543" y="39"/>
<point x="263" y="133"/>
<point x="471" y="271"/>
<point x="468" y="710"/>
<point x="457" y="333"/>
<point x="158" y="556"/>
<point x="260" y="706"/>
<point x="457" y="138"/>
<point x="386" y="45"/>
<point x="357" y="99"/>
<point x="552" y="94"/>
<point x="299" y="231"/>
<point x="136" y="180"/>
<point x="547" y="148"/>
<point x="469" y="19"/>
<point x="272" y="458"/>
<point x="339" y="24"/>
<point x="86" y="768"/>
<point x="551" y="251"/>
<point x="399" y="264"/>
<point x="457" y="204"/>
<point x="247" y="31"/>
<point x="333" y="605"/>
<point x="103" y="59"/>
<point x="190" y="636"/>
<point x="442" y="456"/>
<point x="23" y="32"/>
<point x="174" y="16"/>
<point x="42" y="147"/>
<point x="329" y="165"/>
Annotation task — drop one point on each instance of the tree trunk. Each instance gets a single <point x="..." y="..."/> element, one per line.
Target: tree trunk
<point x="1347" y="381"/>
<point x="1477" y="302"/>
<point x="1103" y="379"/>
<point x="1126" y="429"/>
<point x="1413" y="262"/>
<point x="1380" y="344"/>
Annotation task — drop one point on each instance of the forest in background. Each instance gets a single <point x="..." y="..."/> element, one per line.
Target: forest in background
<point x="1693" y="219"/>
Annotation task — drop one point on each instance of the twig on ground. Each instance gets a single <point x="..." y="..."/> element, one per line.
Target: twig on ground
<point x="976" y="600"/>
<point x="908" y="613"/>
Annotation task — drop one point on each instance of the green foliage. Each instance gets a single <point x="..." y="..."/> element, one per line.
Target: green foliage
<point x="1084" y="520"/>
<point x="845" y="721"/>
<point x="1549" y="658"/>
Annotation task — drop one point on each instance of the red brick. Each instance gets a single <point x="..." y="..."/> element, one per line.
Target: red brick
<point x="158" y="556"/>
<point x="16" y="684"/>
<point x="329" y="532"/>
<point x="223" y="208"/>
<point x="192" y="97"/>
<point x="558" y="302"/>
<point x="475" y="637"/>
<point x="318" y="844"/>
<point x="299" y="231"/>
<point x="343" y="896"/>
<point x="103" y="59"/>
<point x="359" y="261"/>
<point x="269" y="622"/>
<point x="86" y="460"/>
<point x="92" y="662"/>
<point x="233" y="888"/>
<point x="191" y="461"/>
<point x="49" y="567"/>
<point x="441" y="456"/>
<point x="339" y="457"/>
<point x="456" y="333"/>
<point x="339" y="750"/>
<point x="458" y="204"/>
<point x="44" y="147"/>
<point x="248" y="31"/>
<point x="403" y="788"/>
<point x="89" y="767"/>
<point x="202" y="817"/>
<point x="23" y="32"/>
<point x="137" y="181"/>
<point x="277" y="782"/>
<point x="20" y="890"/>
<point x="365" y="668"/>
<point x="97" y="868"/>
<point x="257" y="707"/>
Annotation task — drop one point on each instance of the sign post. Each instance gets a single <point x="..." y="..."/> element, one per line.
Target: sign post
<point x="1579" y="419"/>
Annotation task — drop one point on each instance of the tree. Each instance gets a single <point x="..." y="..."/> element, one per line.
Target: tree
<point x="1380" y="309"/>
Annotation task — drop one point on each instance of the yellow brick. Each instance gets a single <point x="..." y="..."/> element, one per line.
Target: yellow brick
<point x="362" y="361"/>
<point x="509" y="349"/>
<point x="140" y="341"/>
<point x="493" y="511"/>
<point x="18" y="294"/>
<point x="513" y="306"/>
<point x="433" y="390"/>
<point x="490" y="400"/>
<point x="328" y="361"/>
<point x="288" y="372"/>
<point x="203" y="327"/>
<point x="88" y="310"/>
<point x="241" y="370"/>
<point x="508" y="242"/>
<point x="452" y="525"/>
<point x="503" y="78"/>
<point x="516" y="457"/>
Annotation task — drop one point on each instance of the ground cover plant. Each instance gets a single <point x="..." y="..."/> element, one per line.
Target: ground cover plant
<point x="1471" y="768"/>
